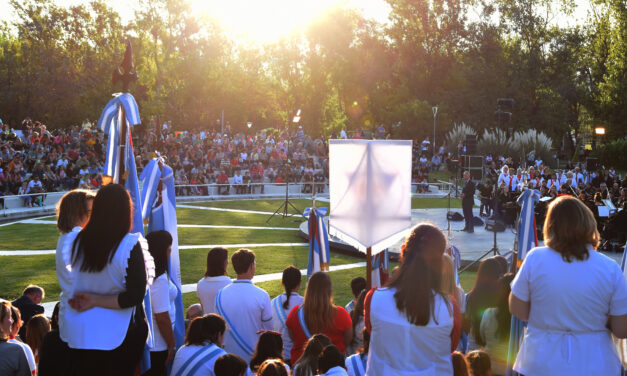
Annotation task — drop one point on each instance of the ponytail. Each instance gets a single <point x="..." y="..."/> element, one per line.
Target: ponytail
<point x="291" y="279"/>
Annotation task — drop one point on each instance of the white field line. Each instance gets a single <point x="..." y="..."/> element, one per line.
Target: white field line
<point x="201" y="246"/>
<point x="231" y="210"/>
<point x="33" y="221"/>
<point x="49" y="306"/>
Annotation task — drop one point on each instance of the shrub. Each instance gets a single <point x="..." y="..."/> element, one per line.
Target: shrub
<point x="495" y="142"/>
<point x="613" y="154"/>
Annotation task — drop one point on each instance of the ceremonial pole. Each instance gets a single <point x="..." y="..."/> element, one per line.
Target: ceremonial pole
<point x="368" y="268"/>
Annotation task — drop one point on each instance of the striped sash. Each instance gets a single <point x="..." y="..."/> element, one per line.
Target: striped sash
<point x="278" y="310"/>
<point x="236" y="336"/>
<point x="301" y="320"/>
<point x="357" y="365"/>
<point x="200" y="357"/>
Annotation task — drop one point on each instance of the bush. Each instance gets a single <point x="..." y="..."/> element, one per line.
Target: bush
<point x="525" y="142"/>
<point x="495" y="142"/>
<point x="613" y="154"/>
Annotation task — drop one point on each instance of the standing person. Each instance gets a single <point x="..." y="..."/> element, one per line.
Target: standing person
<point x="108" y="330"/>
<point x="482" y="296"/>
<point x="572" y="297"/>
<point x="203" y="346"/>
<point x="413" y="327"/>
<point x="269" y="346"/>
<point x="495" y="327"/>
<point x="29" y="305"/>
<point x="215" y="279"/>
<point x="15" y="327"/>
<point x="73" y="213"/>
<point x="55" y="358"/>
<point x="468" y="194"/>
<point x="245" y="307"/>
<point x="38" y="326"/>
<point x="13" y="360"/>
<point x="162" y="295"/>
<point x="318" y="314"/>
<point x="283" y="304"/>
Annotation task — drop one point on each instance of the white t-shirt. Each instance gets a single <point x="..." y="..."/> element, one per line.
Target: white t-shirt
<point x="496" y="348"/>
<point x="398" y="347"/>
<point x="237" y="179"/>
<point x="29" y="355"/>
<point x="207" y="289"/>
<point x="202" y="364"/>
<point x="162" y="295"/>
<point x="279" y="324"/>
<point x="64" y="267"/>
<point x="570" y="305"/>
<point x="246" y="308"/>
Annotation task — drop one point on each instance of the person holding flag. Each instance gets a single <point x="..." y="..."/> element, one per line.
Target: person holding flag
<point x="566" y="291"/>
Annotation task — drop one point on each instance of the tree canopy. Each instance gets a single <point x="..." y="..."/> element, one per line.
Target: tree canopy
<point x="343" y="70"/>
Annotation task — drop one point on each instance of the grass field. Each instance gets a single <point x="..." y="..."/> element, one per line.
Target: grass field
<point x="18" y="271"/>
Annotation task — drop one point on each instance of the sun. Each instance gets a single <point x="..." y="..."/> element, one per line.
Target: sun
<point x="263" y="21"/>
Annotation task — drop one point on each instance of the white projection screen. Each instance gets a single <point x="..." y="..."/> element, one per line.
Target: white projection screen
<point x="370" y="188"/>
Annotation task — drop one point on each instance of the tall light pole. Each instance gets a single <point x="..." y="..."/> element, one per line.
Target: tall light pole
<point x="435" y="113"/>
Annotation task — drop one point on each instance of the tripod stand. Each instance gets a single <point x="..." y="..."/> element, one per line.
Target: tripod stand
<point x="494" y="250"/>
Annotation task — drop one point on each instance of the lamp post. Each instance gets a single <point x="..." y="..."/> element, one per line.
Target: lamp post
<point x="599" y="132"/>
<point x="249" y="124"/>
<point x="435" y="113"/>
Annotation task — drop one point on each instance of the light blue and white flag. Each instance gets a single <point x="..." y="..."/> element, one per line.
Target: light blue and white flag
<point x="457" y="262"/>
<point x="319" y="254"/>
<point x="527" y="239"/>
<point x="380" y="268"/>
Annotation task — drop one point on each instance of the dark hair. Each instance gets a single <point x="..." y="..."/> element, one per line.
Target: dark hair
<point x="269" y="346"/>
<point x="365" y="335"/>
<point x="308" y="362"/>
<point x="569" y="228"/>
<point x="419" y="273"/>
<point x="460" y="364"/>
<point x="33" y="289"/>
<point x="358" y="311"/>
<point x="216" y="262"/>
<point x="479" y="362"/>
<point x="483" y="295"/>
<point x="54" y="319"/>
<point x="205" y="328"/>
<point x="502" y="263"/>
<point x="329" y="358"/>
<point x="503" y="316"/>
<point x="158" y="244"/>
<point x="272" y="367"/>
<point x="358" y="284"/>
<point x="109" y="222"/>
<point x="72" y="208"/>
<point x="290" y="280"/>
<point x="242" y="259"/>
<point x="229" y="365"/>
<point x="36" y="329"/>
<point x="5" y="309"/>
<point x="16" y="316"/>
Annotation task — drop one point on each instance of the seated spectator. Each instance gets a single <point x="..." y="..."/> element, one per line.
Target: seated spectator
<point x="460" y="364"/>
<point x="230" y="365"/>
<point x="273" y="367"/>
<point x="193" y="311"/>
<point x="237" y="182"/>
<point x="358" y="284"/>
<point x="36" y="329"/>
<point x="269" y="346"/>
<point x="356" y="364"/>
<point x="331" y="362"/>
<point x="202" y="347"/>
<point x="55" y="358"/>
<point x="29" y="305"/>
<point x="23" y="190"/>
<point x="223" y="183"/>
<point x="307" y="365"/>
<point x="13" y="361"/>
<point x="15" y="327"/>
<point x="495" y="327"/>
<point x="318" y="314"/>
<point x="480" y="364"/>
<point x="411" y="317"/>
<point x="215" y="279"/>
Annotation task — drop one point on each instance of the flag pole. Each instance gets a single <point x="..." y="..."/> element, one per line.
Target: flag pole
<point x="369" y="268"/>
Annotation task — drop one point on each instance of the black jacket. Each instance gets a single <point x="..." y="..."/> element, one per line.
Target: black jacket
<point x="28" y="309"/>
<point x="469" y="192"/>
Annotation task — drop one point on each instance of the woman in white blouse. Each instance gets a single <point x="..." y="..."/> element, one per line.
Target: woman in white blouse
<point x="572" y="297"/>
<point x="214" y="280"/>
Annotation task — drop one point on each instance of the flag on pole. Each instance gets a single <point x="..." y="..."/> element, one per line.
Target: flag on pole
<point x="319" y="254"/>
<point x="380" y="268"/>
<point x="161" y="215"/>
<point x="527" y="239"/>
<point x="457" y="262"/>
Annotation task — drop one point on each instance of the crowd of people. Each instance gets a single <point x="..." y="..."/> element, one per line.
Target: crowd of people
<point x="420" y="322"/>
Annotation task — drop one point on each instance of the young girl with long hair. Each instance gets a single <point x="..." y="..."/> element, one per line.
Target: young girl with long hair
<point x="283" y="304"/>
<point x="481" y="297"/>
<point x="413" y="326"/>
<point x="307" y="365"/>
<point x="269" y="346"/>
<point x="495" y="327"/>
<point x="318" y="314"/>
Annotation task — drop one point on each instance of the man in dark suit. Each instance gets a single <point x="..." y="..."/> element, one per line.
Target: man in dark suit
<point x="468" y="194"/>
<point x="29" y="305"/>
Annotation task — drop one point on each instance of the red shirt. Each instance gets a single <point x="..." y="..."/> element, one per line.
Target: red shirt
<point x="341" y="322"/>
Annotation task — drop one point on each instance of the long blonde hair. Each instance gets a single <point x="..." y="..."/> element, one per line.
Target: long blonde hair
<point x="318" y="303"/>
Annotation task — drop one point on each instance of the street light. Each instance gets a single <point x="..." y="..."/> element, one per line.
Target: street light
<point x="296" y="118"/>
<point x="599" y="131"/>
<point x="249" y="124"/>
<point x="435" y="113"/>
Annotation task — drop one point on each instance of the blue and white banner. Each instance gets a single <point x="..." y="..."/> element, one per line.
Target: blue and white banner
<point x="319" y="254"/>
<point x="380" y="268"/>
